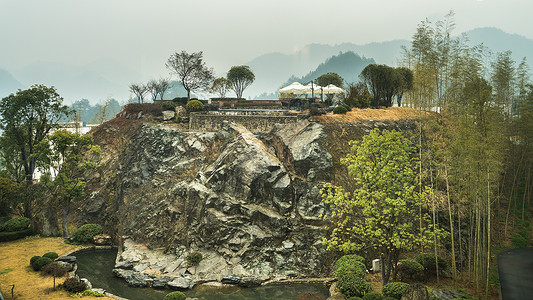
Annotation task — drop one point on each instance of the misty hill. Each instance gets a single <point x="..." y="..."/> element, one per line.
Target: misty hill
<point x="499" y="41"/>
<point x="272" y="69"/>
<point x="8" y="84"/>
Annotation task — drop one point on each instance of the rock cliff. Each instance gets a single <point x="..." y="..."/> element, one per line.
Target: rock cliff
<point x="249" y="204"/>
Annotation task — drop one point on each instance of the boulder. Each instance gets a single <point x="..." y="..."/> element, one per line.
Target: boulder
<point x="184" y="282"/>
<point x="68" y="259"/>
<point x="102" y="240"/>
<point x="416" y="291"/>
<point x="445" y="294"/>
<point x="168" y="115"/>
<point x="68" y="266"/>
<point x="45" y="222"/>
<point x="231" y="279"/>
<point x="252" y="281"/>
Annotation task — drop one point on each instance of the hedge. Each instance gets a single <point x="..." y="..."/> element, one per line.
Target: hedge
<point x="11" y="236"/>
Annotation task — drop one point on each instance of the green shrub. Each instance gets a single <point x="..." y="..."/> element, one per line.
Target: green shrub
<point x="351" y="285"/>
<point x="355" y="298"/>
<point x="410" y="269"/>
<point x="16" y="224"/>
<point x="373" y="296"/>
<point x="73" y="285"/>
<point x="11" y="236"/>
<point x="168" y="105"/>
<point x="347" y="269"/>
<point x="317" y="105"/>
<point x="351" y="258"/>
<point x="86" y="232"/>
<point x="394" y="289"/>
<point x="390" y="298"/>
<point x="33" y="259"/>
<point x="194" y="258"/>
<point x="194" y="105"/>
<point x="428" y="262"/>
<point x="175" y="296"/>
<point x="518" y="241"/>
<point x="340" y="110"/>
<point x="51" y="255"/>
<point x="348" y="108"/>
<point x="92" y="294"/>
<point x="40" y="262"/>
<point x="3" y="220"/>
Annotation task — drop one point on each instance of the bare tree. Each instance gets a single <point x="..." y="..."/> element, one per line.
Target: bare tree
<point x="139" y="90"/>
<point x="152" y="87"/>
<point x="191" y="70"/>
<point x="163" y="85"/>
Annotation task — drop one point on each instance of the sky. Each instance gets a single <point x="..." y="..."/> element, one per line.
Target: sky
<point x="143" y="34"/>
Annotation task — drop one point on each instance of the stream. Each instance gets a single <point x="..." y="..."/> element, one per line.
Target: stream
<point x="97" y="267"/>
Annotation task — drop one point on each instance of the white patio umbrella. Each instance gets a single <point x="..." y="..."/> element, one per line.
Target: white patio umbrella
<point x="294" y="88"/>
<point x="332" y="89"/>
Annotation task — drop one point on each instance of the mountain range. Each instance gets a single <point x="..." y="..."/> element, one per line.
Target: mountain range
<point x="106" y="78"/>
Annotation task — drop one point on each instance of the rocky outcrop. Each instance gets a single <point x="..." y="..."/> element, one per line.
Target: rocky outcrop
<point x="251" y="206"/>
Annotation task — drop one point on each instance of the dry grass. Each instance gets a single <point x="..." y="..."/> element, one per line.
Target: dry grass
<point x="15" y="256"/>
<point x="381" y="114"/>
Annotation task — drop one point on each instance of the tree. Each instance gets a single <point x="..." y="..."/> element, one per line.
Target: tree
<point x="330" y="78"/>
<point x="139" y="90"/>
<point x="385" y="83"/>
<point x="503" y="78"/>
<point x="358" y="95"/>
<point x="26" y="119"/>
<point x="239" y="78"/>
<point x="7" y="191"/>
<point x="163" y="85"/>
<point x="379" y="213"/>
<point x="151" y="87"/>
<point x="68" y="154"/>
<point x="220" y="87"/>
<point x="191" y="71"/>
<point x="406" y="84"/>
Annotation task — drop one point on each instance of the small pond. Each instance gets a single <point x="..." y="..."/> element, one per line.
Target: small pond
<point x="97" y="267"/>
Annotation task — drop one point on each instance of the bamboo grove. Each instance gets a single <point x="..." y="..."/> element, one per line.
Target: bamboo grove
<point x="477" y="155"/>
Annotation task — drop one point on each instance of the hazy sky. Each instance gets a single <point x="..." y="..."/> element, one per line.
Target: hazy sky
<point x="143" y="34"/>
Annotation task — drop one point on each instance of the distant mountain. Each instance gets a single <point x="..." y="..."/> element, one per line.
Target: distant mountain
<point x="497" y="40"/>
<point x="8" y="84"/>
<point x="272" y="69"/>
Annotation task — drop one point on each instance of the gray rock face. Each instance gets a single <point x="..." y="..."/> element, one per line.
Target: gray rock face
<point x="416" y="291"/>
<point x="236" y="198"/>
<point x="445" y="294"/>
<point x="168" y="115"/>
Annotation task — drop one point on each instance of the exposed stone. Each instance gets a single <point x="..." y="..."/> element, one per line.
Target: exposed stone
<point x="231" y="279"/>
<point x="68" y="259"/>
<point x="252" y="281"/>
<point x="87" y="283"/>
<point x="134" y="279"/>
<point x="445" y="294"/>
<point x="102" y="240"/>
<point x="126" y="265"/>
<point x="180" y="110"/>
<point x="168" y="115"/>
<point x="45" y="222"/>
<point x="68" y="266"/>
<point x="416" y="291"/>
<point x="182" y="283"/>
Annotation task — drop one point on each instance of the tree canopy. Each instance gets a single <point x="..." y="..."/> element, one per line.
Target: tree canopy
<point x="330" y="78"/>
<point x="381" y="211"/>
<point x="191" y="70"/>
<point x="385" y="83"/>
<point x="220" y="87"/>
<point x="239" y="78"/>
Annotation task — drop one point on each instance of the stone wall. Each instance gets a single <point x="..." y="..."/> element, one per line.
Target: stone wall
<point x="253" y="120"/>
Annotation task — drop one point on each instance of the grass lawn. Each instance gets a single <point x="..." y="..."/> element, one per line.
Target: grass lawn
<point x="15" y="269"/>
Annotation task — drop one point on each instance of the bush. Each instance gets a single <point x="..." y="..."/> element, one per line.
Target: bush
<point x="33" y="259"/>
<point x="316" y="105"/>
<point x="373" y="296"/>
<point x="428" y="262"/>
<point x="311" y="296"/>
<point x="3" y="220"/>
<point x="349" y="259"/>
<point x="518" y="241"/>
<point x="348" y="108"/>
<point x="11" y="236"/>
<point x="351" y="285"/>
<point x="194" y="105"/>
<point x="340" y="110"/>
<point x="194" y="258"/>
<point x="86" y="232"/>
<point x="394" y="289"/>
<point x="51" y="255"/>
<point x="410" y="269"/>
<point x="54" y="269"/>
<point x="40" y="262"/>
<point x="316" y="111"/>
<point x="147" y="108"/>
<point x="73" y="285"/>
<point x="92" y="294"/>
<point x="16" y="224"/>
<point x="348" y="269"/>
<point x="175" y="296"/>
<point x="168" y="105"/>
